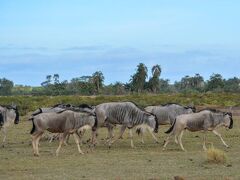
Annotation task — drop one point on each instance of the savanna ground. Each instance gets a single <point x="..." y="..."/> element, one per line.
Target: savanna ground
<point x="146" y="161"/>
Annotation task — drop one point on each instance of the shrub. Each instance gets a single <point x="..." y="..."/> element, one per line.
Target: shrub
<point x="216" y="156"/>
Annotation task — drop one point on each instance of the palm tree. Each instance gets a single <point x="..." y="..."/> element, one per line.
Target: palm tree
<point x="154" y="81"/>
<point x="98" y="79"/>
<point x="156" y="71"/>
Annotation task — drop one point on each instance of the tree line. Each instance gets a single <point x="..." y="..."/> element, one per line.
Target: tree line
<point x="138" y="83"/>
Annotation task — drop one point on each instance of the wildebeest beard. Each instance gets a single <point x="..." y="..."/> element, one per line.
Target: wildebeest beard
<point x="1" y="120"/>
<point x="17" y="116"/>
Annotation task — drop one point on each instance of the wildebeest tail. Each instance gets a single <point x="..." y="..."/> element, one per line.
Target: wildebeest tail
<point x="95" y="123"/>
<point x="171" y="128"/>
<point x="36" y="113"/>
<point x="33" y="127"/>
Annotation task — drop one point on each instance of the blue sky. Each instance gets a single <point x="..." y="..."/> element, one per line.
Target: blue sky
<point x="78" y="37"/>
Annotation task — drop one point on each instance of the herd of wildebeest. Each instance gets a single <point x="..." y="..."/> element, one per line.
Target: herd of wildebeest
<point x="66" y="119"/>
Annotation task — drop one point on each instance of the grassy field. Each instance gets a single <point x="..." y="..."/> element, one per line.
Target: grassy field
<point x="146" y="161"/>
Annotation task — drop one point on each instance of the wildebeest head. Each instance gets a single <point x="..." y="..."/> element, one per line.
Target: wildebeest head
<point x="14" y="110"/>
<point x="190" y="109"/>
<point x="228" y="120"/>
<point x="153" y="122"/>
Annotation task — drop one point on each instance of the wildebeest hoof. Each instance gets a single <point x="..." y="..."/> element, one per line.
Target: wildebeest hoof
<point x="164" y="142"/>
<point x="36" y="155"/>
<point x="3" y="146"/>
<point x="157" y="142"/>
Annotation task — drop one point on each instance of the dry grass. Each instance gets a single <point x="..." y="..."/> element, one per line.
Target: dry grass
<point x="146" y="161"/>
<point x="216" y="156"/>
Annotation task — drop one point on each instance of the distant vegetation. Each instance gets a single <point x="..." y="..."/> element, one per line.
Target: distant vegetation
<point x="30" y="103"/>
<point x="94" y="85"/>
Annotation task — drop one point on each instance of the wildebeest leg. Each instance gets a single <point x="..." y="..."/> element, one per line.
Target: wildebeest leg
<point x="94" y="138"/>
<point x="34" y="144"/>
<point x="4" y="130"/>
<point x="76" y="138"/>
<point x="51" y="138"/>
<point x="61" y="141"/>
<point x="37" y="142"/>
<point x="131" y="137"/>
<point x="204" y="141"/>
<point x="80" y="134"/>
<point x="67" y="140"/>
<point x="110" y="132"/>
<point x="154" y="137"/>
<point x="141" y="134"/>
<point x="166" y="141"/>
<point x="176" y="139"/>
<point x="122" y="130"/>
<point x="219" y="135"/>
<point x="180" y="140"/>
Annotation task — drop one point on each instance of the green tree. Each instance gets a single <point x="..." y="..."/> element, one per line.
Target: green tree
<point x="5" y="87"/>
<point x="215" y="83"/>
<point x="56" y="78"/>
<point x="232" y="85"/>
<point x="48" y="81"/>
<point x="188" y="83"/>
<point x="98" y="79"/>
<point x="82" y="85"/>
<point x="138" y="80"/>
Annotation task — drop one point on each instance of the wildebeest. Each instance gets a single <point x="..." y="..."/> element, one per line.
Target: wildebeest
<point x="126" y="114"/>
<point x="167" y="113"/>
<point x="8" y="115"/>
<point x="205" y="120"/>
<point x="66" y="122"/>
<point x="62" y="107"/>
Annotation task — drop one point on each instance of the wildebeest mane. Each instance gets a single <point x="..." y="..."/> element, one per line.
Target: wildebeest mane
<point x="59" y="112"/>
<point x="56" y="105"/>
<point x="64" y="105"/>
